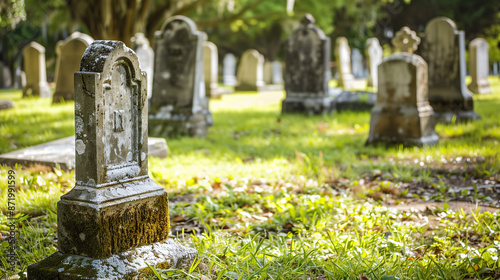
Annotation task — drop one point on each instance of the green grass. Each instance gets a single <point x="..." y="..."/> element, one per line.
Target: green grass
<point x="290" y="197"/>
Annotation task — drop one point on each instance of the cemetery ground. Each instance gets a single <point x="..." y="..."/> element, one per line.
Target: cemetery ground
<point x="271" y="196"/>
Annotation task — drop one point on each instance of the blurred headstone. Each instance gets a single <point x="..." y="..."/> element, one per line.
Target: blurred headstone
<point x="179" y="105"/>
<point x="115" y="221"/>
<point x="443" y="48"/>
<point x="343" y="56"/>
<point x="146" y="57"/>
<point x="5" y="76"/>
<point x="357" y="63"/>
<point x="211" y="69"/>
<point x="36" y="76"/>
<point x="307" y="70"/>
<point x="69" y="54"/>
<point x="277" y="69"/>
<point x="374" y="54"/>
<point x="495" y="68"/>
<point x="402" y="113"/>
<point x="479" y="66"/>
<point x="229" y="70"/>
<point x="250" y="71"/>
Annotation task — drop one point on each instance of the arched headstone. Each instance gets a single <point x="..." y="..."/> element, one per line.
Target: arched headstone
<point x="250" y="75"/>
<point x="229" y="70"/>
<point x="343" y="56"/>
<point x="5" y="76"/>
<point x="211" y="69"/>
<point x="374" y="54"/>
<point x="34" y="66"/>
<point x="357" y="63"/>
<point x="146" y="57"/>
<point x="479" y="66"/>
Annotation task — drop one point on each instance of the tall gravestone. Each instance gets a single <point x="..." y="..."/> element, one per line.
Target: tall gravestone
<point x="268" y="73"/>
<point x="443" y="48"/>
<point x="307" y="70"/>
<point x="211" y="69"/>
<point x="402" y="113"/>
<point x="69" y="53"/>
<point x="250" y="75"/>
<point x="479" y="66"/>
<point x="34" y="66"/>
<point x="343" y="56"/>
<point x="374" y="54"/>
<point x="5" y="76"/>
<point x="179" y="104"/>
<point x="277" y="77"/>
<point x="357" y="63"/>
<point x="229" y="70"/>
<point x="115" y="219"/>
<point x="146" y="57"/>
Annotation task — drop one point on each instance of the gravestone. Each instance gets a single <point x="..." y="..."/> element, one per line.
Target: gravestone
<point x="402" y="114"/>
<point x="250" y="71"/>
<point x="443" y="48"/>
<point x="374" y="54"/>
<point x="5" y="76"/>
<point x="277" y="69"/>
<point x="34" y="66"/>
<point x="307" y="70"/>
<point x="211" y="69"/>
<point x="69" y="53"/>
<point x="268" y="73"/>
<point x="229" y="70"/>
<point x="479" y="66"/>
<point x="343" y="56"/>
<point x="19" y="79"/>
<point x="115" y="219"/>
<point x="179" y="104"/>
<point x="357" y="63"/>
<point x="495" y="68"/>
<point x="146" y="57"/>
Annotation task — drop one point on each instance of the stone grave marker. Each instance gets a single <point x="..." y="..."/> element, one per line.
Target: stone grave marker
<point x="250" y="75"/>
<point x="495" y="68"/>
<point x="34" y="66"/>
<point x="268" y="73"/>
<point x="307" y="70"/>
<point x="211" y="69"/>
<point x="374" y="54"/>
<point x="69" y="53"/>
<point x="402" y="113"/>
<point x="277" y="77"/>
<point x="357" y="63"/>
<point x="146" y="57"/>
<point x="343" y="56"/>
<point x="5" y="76"/>
<point x="479" y="66"/>
<point x="443" y="48"/>
<point x="179" y="105"/>
<point x="229" y="70"/>
<point x="115" y="219"/>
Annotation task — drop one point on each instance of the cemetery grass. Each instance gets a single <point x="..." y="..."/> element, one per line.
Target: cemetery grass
<point x="266" y="196"/>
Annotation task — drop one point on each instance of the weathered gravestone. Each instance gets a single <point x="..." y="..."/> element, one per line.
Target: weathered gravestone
<point x="34" y="65"/>
<point x="307" y="70"/>
<point x="146" y="57"/>
<point x="5" y="76"/>
<point x="229" y="70"/>
<point x="443" y="48"/>
<point x="343" y="56"/>
<point x="374" y="54"/>
<point x="179" y="104"/>
<point x="211" y="69"/>
<point x="402" y="114"/>
<point x="115" y="219"/>
<point x="250" y="73"/>
<point x="69" y="53"/>
<point x="479" y="66"/>
<point x="357" y="63"/>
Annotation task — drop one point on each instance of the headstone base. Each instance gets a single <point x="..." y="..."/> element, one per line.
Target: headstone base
<point x="481" y="87"/>
<point x="172" y="125"/>
<point x="126" y="265"/>
<point x="6" y="104"/>
<point x="308" y="105"/>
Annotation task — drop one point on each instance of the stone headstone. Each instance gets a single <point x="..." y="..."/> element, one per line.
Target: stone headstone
<point x="402" y="114"/>
<point x="343" y="56"/>
<point x="277" y="77"/>
<point x="69" y="53"/>
<point x="268" y="73"/>
<point x="179" y="104"/>
<point x="115" y="219"/>
<point x="479" y="66"/>
<point x="495" y="68"/>
<point x="211" y="69"/>
<point x="5" y="76"/>
<point x="19" y="79"/>
<point x="443" y="48"/>
<point x="229" y="70"/>
<point x="307" y="70"/>
<point x="146" y="57"/>
<point x="34" y="66"/>
<point x="355" y="101"/>
<point x="357" y="63"/>
<point x="6" y="104"/>
<point x="250" y="75"/>
<point x="374" y="54"/>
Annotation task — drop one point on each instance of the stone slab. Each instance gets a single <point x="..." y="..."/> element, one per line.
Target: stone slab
<point x="62" y="152"/>
<point x="6" y="104"/>
<point x="126" y="265"/>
